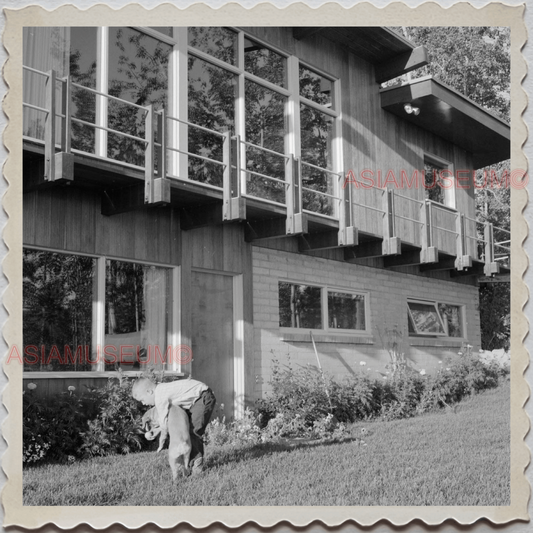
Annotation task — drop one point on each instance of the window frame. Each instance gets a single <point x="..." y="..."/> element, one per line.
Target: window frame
<point x="173" y="334"/>
<point x="324" y="291"/>
<point x="449" y="193"/>
<point x="435" y="304"/>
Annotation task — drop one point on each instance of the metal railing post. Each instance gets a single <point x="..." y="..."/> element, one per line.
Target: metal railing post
<point x="149" y="155"/>
<point x="429" y="253"/>
<point x="226" y="176"/>
<point x="347" y="232"/>
<point x="50" y="127"/>
<point x="161" y="150"/>
<point x="391" y="243"/>
<point x="491" y="266"/>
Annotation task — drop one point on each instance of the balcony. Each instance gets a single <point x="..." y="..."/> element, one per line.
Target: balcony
<point x="148" y="166"/>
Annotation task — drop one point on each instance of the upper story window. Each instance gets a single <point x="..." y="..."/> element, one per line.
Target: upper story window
<point x="212" y="82"/>
<point x="314" y="307"/>
<point x="263" y="62"/>
<point x="439" y="180"/>
<point x="221" y="43"/>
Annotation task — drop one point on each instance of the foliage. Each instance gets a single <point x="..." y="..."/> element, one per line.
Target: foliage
<point x="117" y="427"/>
<point x="100" y="421"/>
<point x="304" y="396"/>
<point x="475" y="60"/>
<point x="51" y="426"/>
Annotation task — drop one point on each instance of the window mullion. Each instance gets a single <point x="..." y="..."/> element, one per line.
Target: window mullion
<point x="102" y="81"/>
<point x="293" y="106"/>
<point x="178" y="100"/>
<point x="240" y="108"/>
<point x="98" y="316"/>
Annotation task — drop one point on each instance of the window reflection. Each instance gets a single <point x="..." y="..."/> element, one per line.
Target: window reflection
<point x="217" y="42"/>
<point x="57" y="291"/>
<point x="315" y="87"/>
<point x="264" y="63"/>
<point x="138" y="73"/>
<point x="299" y="306"/>
<point x="212" y="92"/>
<point x="346" y="311"/>
<point x="265" y="128"/>
<point x="136" y="318"/>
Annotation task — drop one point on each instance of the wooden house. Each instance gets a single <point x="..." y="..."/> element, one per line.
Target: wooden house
<point x="207" y="200"/>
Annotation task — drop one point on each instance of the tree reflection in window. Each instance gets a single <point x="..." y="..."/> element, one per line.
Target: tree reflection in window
<point x="452" y="317"/>
<point x="346" y="311"/>
<point x="316" y="144"/>
<point x="434" y="184"/>
<point x="265" y="127"/>
<point x="300" y="306"/>
<point x="136" y="317"/>
<point x="57" y="292"/>
<point x="138" y="73"/>
<point x="264" y="63"/>
<point x="218" y="42"/>
<point x="212" y="92"/>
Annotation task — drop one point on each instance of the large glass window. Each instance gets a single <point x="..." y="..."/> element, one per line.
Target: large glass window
<point x="57" y="293"/>
<point x="69" y="326"/>
<point x="136" y="317"/>
<point x="66" y="51"/>
<point x="241" y="91"/>
<point x="211" y="101"/>
<point x="316" y="146"/>
<point x="265" y="128"/>
<point x="138" y="73"/>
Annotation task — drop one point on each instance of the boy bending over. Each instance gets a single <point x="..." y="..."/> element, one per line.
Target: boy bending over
<point x="194" y="396"/>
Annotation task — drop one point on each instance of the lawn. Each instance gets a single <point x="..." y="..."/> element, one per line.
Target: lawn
<point x="445" y="458"/>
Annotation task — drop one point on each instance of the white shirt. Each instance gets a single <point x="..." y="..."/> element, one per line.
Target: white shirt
<point x="183" y="392"/>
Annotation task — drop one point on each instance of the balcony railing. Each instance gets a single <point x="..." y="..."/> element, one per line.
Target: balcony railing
<point x="169" y="150"/>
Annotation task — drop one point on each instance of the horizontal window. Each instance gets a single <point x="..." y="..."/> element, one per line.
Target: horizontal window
<point x="434" y="319"/>
<point x="310" y="307"/>
<point x="69" y="324"/>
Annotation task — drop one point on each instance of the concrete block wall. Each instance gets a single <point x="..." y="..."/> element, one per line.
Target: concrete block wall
<point x="342" y="354"/>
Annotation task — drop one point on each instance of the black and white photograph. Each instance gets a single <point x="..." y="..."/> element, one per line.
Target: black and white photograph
<point x="267" y="264"/>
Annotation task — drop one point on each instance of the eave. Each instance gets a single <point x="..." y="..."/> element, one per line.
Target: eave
<point x="390" y="53"/>
<point x="450" y="115"/>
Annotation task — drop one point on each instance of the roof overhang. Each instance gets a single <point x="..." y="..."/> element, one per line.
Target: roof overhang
<point x="390" y="53"/>
<point x="448" y="114"/>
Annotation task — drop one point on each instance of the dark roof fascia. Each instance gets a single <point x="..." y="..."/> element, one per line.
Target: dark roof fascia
<point x="432" y="96"/>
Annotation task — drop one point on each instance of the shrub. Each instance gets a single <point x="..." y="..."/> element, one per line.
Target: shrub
<point x="117" y="427"/>
<point x="51" y="426"/>
<point x="242" y="431"/>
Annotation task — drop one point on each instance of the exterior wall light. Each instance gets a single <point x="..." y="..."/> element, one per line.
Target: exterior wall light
<point x="411" y="109"/>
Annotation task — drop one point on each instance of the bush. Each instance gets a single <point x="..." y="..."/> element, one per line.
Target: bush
<point x="304" y="396"/>
<point x="66" y="426"/>
<point x="117" y="427"/>
<point x="51" y="426"/>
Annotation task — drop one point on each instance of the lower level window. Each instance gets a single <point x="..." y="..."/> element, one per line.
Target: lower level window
<point x="434" y="319"/>
<point x="57" y="292"/>
<point x="311" y="307"/>
<point x="69" y="324"/>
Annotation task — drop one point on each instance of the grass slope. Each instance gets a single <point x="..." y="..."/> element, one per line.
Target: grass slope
<point x="444" y="458"/>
